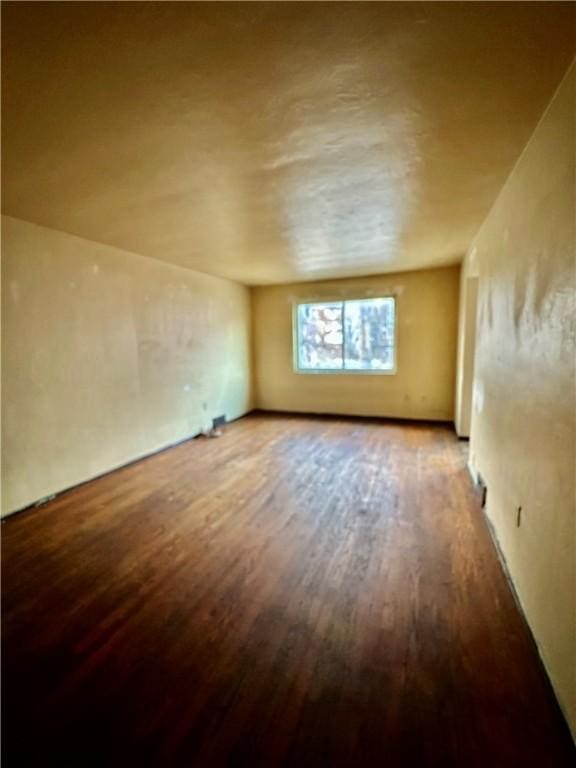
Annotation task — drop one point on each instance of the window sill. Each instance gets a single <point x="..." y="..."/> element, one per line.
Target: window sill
<point x="346" y="372"/>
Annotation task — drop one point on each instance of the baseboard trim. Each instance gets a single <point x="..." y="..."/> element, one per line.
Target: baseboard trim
<point x="355" y="417"/>
<point x="504" y="564"/>
<point x="137" y="459"/>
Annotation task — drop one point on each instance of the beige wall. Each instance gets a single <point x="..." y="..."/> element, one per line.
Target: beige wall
<point x="466" y="352"/>
<point x="422" y="388"/>
<point x="108" y="356"/>
<point x="523" y="430"/>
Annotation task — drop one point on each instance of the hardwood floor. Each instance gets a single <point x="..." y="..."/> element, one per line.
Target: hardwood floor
<point x="299" y="592"/>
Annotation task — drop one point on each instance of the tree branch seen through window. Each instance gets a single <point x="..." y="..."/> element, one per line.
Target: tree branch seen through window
<point x="356" y="335"/>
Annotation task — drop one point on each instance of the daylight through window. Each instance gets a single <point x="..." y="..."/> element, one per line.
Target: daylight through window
<point x="350" y="336"/>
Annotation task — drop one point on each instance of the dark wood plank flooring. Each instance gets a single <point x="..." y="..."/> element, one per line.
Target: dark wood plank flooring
<point x="299" y="592"/>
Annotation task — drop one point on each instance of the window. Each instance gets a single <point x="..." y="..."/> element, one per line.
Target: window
<point x="351" y="336"/>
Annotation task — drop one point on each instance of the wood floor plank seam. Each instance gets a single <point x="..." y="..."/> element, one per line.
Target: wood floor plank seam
<point x="300" y="592"/>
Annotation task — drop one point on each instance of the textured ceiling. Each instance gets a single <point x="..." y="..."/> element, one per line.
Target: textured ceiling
<point x="268" y="142"/>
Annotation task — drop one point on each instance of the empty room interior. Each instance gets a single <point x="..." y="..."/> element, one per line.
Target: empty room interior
<point x="289" y="384"/>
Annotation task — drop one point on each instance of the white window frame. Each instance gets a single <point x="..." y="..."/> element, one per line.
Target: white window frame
<point x="341" y="371"/>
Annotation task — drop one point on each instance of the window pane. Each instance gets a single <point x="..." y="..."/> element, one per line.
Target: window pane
<point x="369" y="335"/>
<point x="320" y="336"/>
